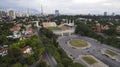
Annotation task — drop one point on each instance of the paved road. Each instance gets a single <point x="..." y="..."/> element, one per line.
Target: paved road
<point x="93" y="50"/>
<point x="46" y="56"/>
<point x="49" y="59"/>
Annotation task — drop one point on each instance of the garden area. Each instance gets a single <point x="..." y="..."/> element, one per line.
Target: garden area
<point x="110" y="52"/>
<point x="78" y="43"/>
<point x="89" y="60"/>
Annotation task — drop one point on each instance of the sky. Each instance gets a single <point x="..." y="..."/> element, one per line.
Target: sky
<point x="65" y="6"/>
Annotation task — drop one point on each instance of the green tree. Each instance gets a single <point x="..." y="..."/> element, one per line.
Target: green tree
<point x="17" y="65"/>
<point x="76" y="65"/>
<point x="42" y="64"/>
<point x="30" y="59"/>
<point x="66" y="62"/>
<point x="110" y="32"/>
<point x="14" y="52"/>
<point x="25" y="65"/>
<point x="59" y="65"/>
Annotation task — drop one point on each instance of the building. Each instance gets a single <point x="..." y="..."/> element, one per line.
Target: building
<point x="11" y="14"/>
<point x="19" y="14"/>
<point x="113" y="14"/>
<point x="15" y="28"/>
<point x="16" y="31"/>
<point x="98" y="27"/>
<point x="49" y="24"/>
<point x="70" y="23"/>
<point x="67" y="28"/>
<point x="3" y="51"/>
<point x="27" y="49"/>
<point x="118" y="28"/>
<point x="105" y="27"/>
<point x="2" y="14"/>
<point x="29" y="31"/>
<point x="57" y="13"/>
<point x="105" y="13"/>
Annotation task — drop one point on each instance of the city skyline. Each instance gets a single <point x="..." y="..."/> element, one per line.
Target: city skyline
<point x="65" y="6"/>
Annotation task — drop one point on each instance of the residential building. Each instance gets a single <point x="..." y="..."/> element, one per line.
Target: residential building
<point x="57" y="13"/>
<point x="118" y="28"/>
<point x="105" y="13"/>
<point x="3" y="51"/>
<point x="98" y="27"/>
<point x="2" y="14"/>
<point x="15" y="28"/>
<point x="27" y="49"/>
<point x="11" y="14"/>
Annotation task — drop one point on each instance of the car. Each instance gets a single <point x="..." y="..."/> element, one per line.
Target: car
<point x="114" y="59"/>
<point x="73" y="57"/>
<point x="105" y="55"/>
<point x="73" y="47"/>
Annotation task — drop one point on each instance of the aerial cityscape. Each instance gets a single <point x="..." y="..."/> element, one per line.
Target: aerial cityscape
<point x="59" y="33"/>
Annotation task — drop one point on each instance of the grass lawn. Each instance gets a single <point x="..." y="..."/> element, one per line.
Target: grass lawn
<point x="110" y="52"/>
<point x="89" y="60"/>
<point x="54" y="28"/>
<point x="78" y="43"/>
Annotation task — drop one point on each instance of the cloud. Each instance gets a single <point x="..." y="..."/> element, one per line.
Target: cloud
<point x="65" y="6"/>
<point x="86" y="1"/>
<point x="107" y="4"/>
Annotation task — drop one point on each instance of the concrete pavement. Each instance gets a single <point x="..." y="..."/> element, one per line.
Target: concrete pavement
<point x="94" y="50"/>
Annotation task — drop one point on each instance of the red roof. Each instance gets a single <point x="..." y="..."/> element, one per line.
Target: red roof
<point x="15" y="28"/>
<point x="30" y="31"/>
<point x="25" y="48"/>
<point x="3" y="49"/>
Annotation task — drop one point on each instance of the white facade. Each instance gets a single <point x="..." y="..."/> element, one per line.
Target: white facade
<point x="11" y="14"/>
<point x="28" y="50"/>
<point x="3" y="51"/>
<point x="57" y="13"/>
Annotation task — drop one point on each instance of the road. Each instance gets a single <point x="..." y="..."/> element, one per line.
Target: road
<point x="46" y="56"/>
<point x="93" y="50"/>
<point x="49" y="59"/>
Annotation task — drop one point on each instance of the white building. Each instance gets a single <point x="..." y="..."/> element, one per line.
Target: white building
<point x="3" y="51"/>
<point x="57" y="13"/>
<point x="27" y="49"/>
<point x="11" y="14"/>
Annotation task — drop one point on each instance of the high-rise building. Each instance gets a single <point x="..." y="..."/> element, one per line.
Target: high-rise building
<point x="11" y="14"/>
<point x="2" y="14"/>
<point x="57" y="13"/>
<point x="27" y="13"/>
<point x="113" y="14"/>
<point x="105" y="13"/>
<point x="98" y="27"/>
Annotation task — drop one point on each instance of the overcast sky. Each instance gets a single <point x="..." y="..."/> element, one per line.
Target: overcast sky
<point x="66" y="6"/>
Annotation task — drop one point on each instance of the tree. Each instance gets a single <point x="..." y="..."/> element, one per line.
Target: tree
<point x="42" y="64"/>
<point x="30" y="59"/>
<point x="25" y="65"/>
<point x="76" y="65"/>
<point x="66" y="62"/>
<point x="82" y="29"/>
<point x="14" y="52"/>
<point x="17" y="65"/>
<point x="59" y="65"/>
<point x="110" y="32"/>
